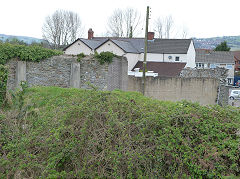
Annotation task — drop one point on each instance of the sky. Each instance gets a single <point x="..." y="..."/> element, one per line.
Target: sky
<point x="201" y="18"/>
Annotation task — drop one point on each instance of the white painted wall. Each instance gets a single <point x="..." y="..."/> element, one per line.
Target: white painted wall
<point x="191" y="56"/>
<point x="110" y="47"/>
<point x="132" y="60"/>
<point x="156" y="57"/>
<point x="188" y="58"/>
<point x="78" y="47"/>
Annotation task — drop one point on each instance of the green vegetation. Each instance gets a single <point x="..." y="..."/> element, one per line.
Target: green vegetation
<point x="104" y="57"/>
<point x="52" y="132"/>
<point x="22" y="52"/>
<point x="25" y="53"/>
<point x="222" y="47"/>
<point x="3" y="84"/>
<point x="80" y="56"/>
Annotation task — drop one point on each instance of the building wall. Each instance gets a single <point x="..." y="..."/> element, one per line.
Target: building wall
<point x="155" y="57"/>
<point x="110" y="47"/>
<point x="201" y="90"/>
<point x="132" y="59"/>
<point x="77" y="48"/>
<point x="191" y="56"/>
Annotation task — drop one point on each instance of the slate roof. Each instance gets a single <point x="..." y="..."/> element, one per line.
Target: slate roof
<point x="136" y="45"/>
<point x="169" y="46"/>
<point x="164" y="69"/>
<point x="210" y="56"/>
<point x="237" y="54"/>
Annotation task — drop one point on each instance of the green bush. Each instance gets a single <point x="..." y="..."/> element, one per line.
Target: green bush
<point x="80" y="56"/>
<point x="25" y="53"/>
<point x="104" y="57"/>
<point x="3" y="84"/>
<point x="71" y="133"/>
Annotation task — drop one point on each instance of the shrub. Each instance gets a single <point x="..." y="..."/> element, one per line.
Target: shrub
<point x="80" y="56"/>
<point x="25" y="53"/>
<point x="3" y="84"/>
<point x="71" y="133"/>
<point x="105" y="57"/>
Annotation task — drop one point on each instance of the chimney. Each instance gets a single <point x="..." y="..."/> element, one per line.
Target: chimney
<point x="150" y="36"/>
<point x="90" y="34"/>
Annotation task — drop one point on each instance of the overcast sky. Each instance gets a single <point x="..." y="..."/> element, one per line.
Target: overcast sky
<point x="202" y="18"/>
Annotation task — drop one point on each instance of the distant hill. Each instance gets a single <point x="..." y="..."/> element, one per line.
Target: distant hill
<point x="211" y="43"/>
<point x="205" y="43"/>
<point x="25" y="39"/>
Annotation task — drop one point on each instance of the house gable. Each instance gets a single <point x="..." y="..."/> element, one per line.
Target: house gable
<point x="110" y="46"/>
<point x="78" y="47"/>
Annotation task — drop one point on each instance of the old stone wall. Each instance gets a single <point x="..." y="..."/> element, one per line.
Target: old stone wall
<point x="58" y="71"/>
<point x="218" y="73"/>
<point x="202" y="90"/>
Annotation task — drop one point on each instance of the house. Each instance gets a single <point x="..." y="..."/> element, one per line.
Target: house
<point x="209" y="59"/>
<point x="159" y="50"/>
<point x="237" y="61"/>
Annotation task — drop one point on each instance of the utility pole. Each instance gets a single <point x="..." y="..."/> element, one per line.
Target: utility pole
<point x="145" y="53"/>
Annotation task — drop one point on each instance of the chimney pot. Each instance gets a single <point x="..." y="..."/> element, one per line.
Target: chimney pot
<point x="90" y="34"/>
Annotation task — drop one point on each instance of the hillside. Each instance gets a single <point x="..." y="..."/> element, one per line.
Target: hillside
<point x="211" y="43"/>
<point x="25" y="39"/>
<point x="51" y="132"/>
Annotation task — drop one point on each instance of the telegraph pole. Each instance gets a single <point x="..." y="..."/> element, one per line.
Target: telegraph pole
<point x="145" y="53"/>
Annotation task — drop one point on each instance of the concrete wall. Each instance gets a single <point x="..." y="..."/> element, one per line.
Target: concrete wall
<point x="77" y="48"/>
<point x="199" y="90"/>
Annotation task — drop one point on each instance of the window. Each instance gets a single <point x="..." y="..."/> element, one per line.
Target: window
<point x="229" y="66"/>
<point x="200" y="65"/>
<point x="177" y="59"/>
<point x="230" y="81"/>
<point x="212" y="65"/>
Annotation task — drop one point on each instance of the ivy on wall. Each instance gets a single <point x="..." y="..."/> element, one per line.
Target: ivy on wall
<point x="8" y="51"/>
<point x="25" y="53"/>
<point x="3" y="83"/>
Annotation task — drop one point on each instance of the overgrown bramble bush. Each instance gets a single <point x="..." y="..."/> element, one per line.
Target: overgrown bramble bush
<point x="3" y="83"/>
<point x="104" y="57"/>
<point x="25" y="53"/>
<point x="71" y="133"/>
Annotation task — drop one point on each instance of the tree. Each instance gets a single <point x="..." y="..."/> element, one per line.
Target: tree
<point x="163" y="27"/>
<point x="124" y="23"/>
<point x="61" y="28"/>
<point x="222" y="47"/>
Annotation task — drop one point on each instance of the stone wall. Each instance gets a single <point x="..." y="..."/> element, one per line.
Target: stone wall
<point x="58" y="71"/>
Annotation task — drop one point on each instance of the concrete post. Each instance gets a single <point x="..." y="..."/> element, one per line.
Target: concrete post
<point x="75" y="75"/>
<point x="20" y="73"/>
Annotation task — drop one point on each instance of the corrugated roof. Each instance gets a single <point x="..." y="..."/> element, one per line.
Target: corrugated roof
<point x="210" y="56"/>
<point x="164" y="69"/>
<point x="169" y="46"/>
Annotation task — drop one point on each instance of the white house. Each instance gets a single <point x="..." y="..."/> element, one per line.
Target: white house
<point x="159" y="50"/>
<point x="209" y="59"/>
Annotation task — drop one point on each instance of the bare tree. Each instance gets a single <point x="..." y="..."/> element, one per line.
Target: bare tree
<point x="61" y="28"/>
<point x="159" y="27"/>
<point x="168" y="26"/>
<point x="184" y="32"/>
<point x="124" y="23"/>
<point x="164" y="27"/>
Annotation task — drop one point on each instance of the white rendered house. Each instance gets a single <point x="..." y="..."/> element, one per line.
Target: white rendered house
<point x="159" y="50"/>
